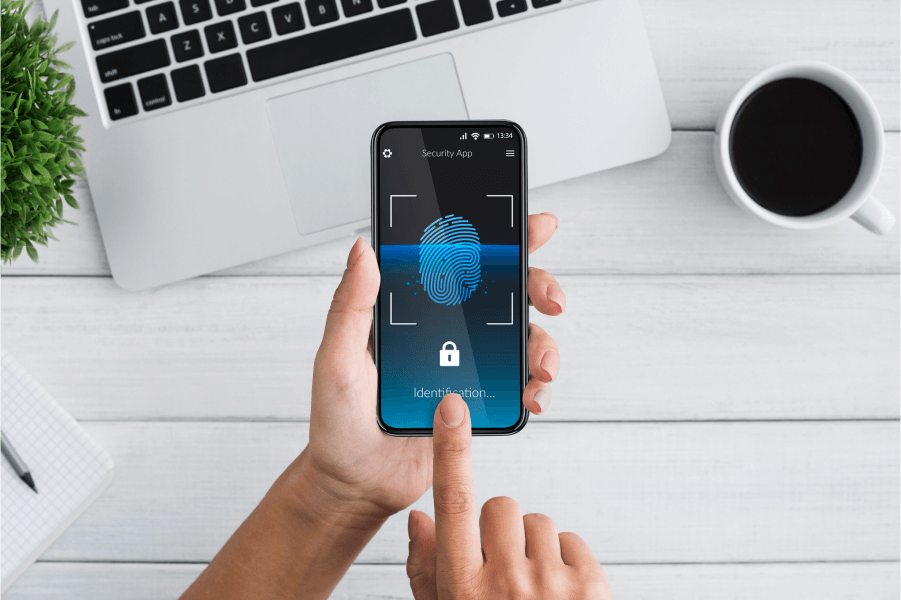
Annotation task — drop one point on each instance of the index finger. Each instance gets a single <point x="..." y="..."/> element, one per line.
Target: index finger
<point x="456" y="520"/>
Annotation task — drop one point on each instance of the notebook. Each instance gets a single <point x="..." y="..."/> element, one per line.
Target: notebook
<point x="70" y="471"/>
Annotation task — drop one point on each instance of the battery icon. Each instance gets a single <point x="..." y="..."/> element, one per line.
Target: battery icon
<point x="487" y="136"/>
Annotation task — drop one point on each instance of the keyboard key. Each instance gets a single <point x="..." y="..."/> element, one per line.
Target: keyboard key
<point x="120" y="101"/>
<point x="477" y="11"/>
<point x="161" y="17"/>
<point x="437" y="17"/>
<point x="543" y="3"/>
<point x="195" y="11"/>
<point x="328" y="45"/>
<point x="225" y="73"/>
<point x="287" y="18"/>
<point x="387" y="3"/>
<point x="133" y="61"/>
<point x="227" y="7"/>
<point x="187" y="83"/>
<point x="220" y="36"/>
<point x="141" y="1"/>
<point x="116" y="30"/>
<point x="352" y="8"/>
<point x="92" y="8"/>
<point x="322" y="11"/>
<point x="254" y="28"/>
<point x="261" y="2"/>
<point x="186" y="46"/>
<point x="505" y="8"/>
<point x="154" y="92"/>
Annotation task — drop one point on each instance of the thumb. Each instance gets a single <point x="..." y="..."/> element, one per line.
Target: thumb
<point x="421" y="562"/>
<point x="350" y="315"/>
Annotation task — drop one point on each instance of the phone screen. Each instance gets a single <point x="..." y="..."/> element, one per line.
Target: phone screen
<point x="449" y="231"/>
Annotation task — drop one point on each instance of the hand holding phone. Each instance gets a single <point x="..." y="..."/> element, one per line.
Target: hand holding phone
<point x="501" y="554"/>
<point x="349" y="457"/>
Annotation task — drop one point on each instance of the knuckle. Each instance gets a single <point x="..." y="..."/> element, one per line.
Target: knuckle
<point x="552" y="581"/>
<point x="462" y="583"/>
<point x="420" y="584"/>
<point x="453" y="448"/>
<point x="594" y="587"/>
<point x="500" y="504"/>
<point x="454" y="498"/>
<point x="511" y="584"/>
<point x="538" y="520"/>
<point x="571" y="538"/>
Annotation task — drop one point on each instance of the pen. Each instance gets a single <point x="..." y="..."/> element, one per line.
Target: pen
<point x="17" y="463"/>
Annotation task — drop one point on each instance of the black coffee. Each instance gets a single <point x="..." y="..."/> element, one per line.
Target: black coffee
<point x="796" y="147"/>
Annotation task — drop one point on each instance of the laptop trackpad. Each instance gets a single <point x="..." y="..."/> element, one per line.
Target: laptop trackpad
<point x="323" y="134"/>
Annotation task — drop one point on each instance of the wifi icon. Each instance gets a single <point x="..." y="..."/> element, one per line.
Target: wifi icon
<point x="475" y="136"/>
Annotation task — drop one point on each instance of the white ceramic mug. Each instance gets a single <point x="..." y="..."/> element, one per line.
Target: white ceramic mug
<point x="857" y="203"/>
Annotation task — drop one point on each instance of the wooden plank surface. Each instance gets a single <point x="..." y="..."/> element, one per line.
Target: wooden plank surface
<point x="668" y="215"/>
<point x="637" y="492"/>
<point x="823" y="581"/>
<point x="736" y="345"/>
<point x="632" y="348"/>
<point x="705" y="49"/>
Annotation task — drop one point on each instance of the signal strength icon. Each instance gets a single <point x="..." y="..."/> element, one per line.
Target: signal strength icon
<point x="463" y="137"/>
<point x="475" y="136"/>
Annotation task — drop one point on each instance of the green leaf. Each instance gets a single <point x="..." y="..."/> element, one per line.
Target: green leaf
<point x="38" y="138"/>
<point x="41" y="169"/>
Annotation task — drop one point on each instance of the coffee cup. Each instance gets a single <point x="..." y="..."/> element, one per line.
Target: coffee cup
<point x="801" y="146"/>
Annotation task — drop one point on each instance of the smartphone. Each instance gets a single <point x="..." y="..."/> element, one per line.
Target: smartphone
<point x="449" y="230"/>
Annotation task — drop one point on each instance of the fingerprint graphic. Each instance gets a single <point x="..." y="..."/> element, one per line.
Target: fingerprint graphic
<point x="449" y="263"/>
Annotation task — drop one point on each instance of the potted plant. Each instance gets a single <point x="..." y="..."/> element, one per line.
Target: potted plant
<point x="39" y="139"/>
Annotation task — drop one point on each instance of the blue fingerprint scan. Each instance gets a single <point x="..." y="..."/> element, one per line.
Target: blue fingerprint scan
<point x="449" y="260"/>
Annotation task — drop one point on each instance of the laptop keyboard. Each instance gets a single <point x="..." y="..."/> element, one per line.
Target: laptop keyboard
<point x="174" y="53"/>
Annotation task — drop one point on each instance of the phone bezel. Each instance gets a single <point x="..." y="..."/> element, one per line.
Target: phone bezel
<point x="523" y="261"/>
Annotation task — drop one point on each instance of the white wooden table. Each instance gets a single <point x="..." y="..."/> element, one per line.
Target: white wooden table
<point x="725" y="424"/>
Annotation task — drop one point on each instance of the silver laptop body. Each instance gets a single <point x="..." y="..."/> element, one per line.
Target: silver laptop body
<point x="203" y="172"/>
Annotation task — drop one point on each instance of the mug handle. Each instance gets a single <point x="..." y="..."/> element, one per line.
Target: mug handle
<point x="874" y="216"/>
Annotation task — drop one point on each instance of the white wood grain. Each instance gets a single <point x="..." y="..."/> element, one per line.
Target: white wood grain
<point x="746" y="347"/>
<point x="632" y="348"/>
<point x="705" y="49"/>
<point x="667" y="215"/>
<point x="637" y="492"/>
<point x="787" y="581"/>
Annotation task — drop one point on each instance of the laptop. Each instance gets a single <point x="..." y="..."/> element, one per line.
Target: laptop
<point x="221" y="132"/>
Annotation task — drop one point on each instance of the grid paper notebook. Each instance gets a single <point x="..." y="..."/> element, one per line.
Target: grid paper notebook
<point x="70" y="471"/>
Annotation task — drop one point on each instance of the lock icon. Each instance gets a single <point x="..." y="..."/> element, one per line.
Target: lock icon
<point x="449" y="358"/>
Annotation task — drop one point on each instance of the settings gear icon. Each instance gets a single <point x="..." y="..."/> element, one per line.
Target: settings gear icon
<point x="386" y="152"/>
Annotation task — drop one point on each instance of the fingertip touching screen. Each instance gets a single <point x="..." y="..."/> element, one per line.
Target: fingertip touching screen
<point x="449" y="233"/>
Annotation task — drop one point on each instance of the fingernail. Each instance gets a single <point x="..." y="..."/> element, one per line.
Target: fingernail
<point x="543" y="399"/>
<point x="452" y="412"/>
<point x="550" y="364"/>
<point x="555" y="294"/>
<point x="412" y="529"/>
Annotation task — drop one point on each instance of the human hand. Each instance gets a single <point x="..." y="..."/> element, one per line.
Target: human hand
<point x="348" y="456"/>
<point x="501" y="555"/>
